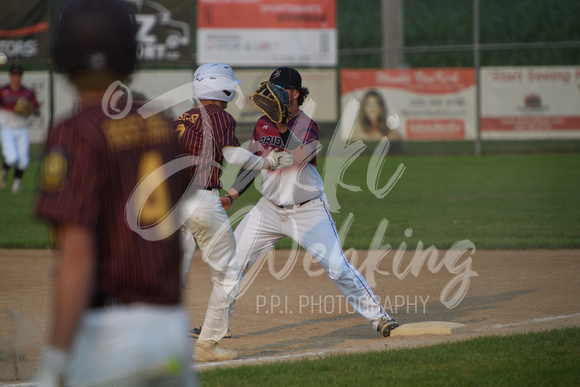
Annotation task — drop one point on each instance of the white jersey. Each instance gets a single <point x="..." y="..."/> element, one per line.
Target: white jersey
<point x="292" y="185"/>
<point x="299" y="182"/>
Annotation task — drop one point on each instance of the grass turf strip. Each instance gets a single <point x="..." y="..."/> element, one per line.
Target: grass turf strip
<point x="497" y="202"/>
<point x="544" y="358"/>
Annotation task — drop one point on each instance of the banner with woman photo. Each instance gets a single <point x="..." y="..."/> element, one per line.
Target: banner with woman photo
<point x="432" y="104"/>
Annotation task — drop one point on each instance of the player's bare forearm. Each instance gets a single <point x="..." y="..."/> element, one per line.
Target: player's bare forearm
<point x="74" y="282"/>
<point x="228" y="199"/>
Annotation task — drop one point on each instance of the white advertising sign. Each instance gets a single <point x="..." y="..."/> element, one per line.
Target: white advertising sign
<point x="530" y="102"/>
<point x="267" y="32"/>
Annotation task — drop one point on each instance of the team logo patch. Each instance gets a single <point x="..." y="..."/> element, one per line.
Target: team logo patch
<point x="53" y="170"/>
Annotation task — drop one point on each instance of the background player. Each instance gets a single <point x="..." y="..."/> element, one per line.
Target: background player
<point x="117" y="318"/>
<point x="17" y="104"/>
<point x="207" y="134"/>
<point x="294" y="205"/>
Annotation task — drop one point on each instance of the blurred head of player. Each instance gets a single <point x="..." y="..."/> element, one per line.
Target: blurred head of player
<point x="290" y="79"/>
<point x="215" y="82"/>
<point x="16" y="71"/>
<point x="94" y="42"/>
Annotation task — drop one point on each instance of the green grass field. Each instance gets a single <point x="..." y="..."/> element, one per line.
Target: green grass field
<point x="496" y="201"/>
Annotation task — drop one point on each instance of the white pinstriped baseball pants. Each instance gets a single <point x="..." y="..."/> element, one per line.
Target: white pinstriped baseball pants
<point x="312" y="227"/>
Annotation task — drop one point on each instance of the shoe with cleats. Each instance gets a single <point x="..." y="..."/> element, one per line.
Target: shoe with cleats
<point x="16" y="186"/>
<point x="386" y="326"/>
<point x="213" y="351"/>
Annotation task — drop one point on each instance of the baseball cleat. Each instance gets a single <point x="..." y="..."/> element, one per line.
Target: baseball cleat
<point x="212" y="351"/>
<point x="195" y="332"/>
<point x="386" y="326"/>
<point x="16" y="186"/>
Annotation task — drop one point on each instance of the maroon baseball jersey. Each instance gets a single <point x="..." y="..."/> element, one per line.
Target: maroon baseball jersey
<point x="91" y="168"/>
<point x="267" y="137"/>
<point x="203" y="131"/>
<point x="8" y="97"/>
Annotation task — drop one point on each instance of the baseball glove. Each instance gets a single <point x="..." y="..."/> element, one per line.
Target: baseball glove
<point x="279" y="159"/>
<point x="273" y="101"/>
<point x="23" y="107"/>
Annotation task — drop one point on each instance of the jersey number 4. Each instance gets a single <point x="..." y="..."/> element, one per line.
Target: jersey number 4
<point x="148" y="210"/>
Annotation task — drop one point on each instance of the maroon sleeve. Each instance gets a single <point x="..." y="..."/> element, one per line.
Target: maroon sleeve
<point x="71" y="185"/>
<point x="224" y="129"/>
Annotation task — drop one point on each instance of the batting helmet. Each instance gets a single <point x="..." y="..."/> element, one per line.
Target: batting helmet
<point x="94" y="35"/>
<point x="215" y="81"/>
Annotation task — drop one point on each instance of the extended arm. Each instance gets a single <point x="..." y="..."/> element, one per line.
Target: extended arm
<point x="246" y="160"/>
<point x="243" y="181"/>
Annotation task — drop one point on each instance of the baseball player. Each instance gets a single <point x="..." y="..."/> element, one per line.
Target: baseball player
<point x="117" y="318"/>
<point x="17" y="105"/>
<point x="207" y="134"/>
<point x="294" y="205"/>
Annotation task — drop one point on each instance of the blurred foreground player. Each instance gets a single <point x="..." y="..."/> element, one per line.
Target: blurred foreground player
<point x="117" y="318"/>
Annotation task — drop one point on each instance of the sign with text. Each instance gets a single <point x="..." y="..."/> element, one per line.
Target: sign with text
<point x="163" y="30"/>
<point x="433" y="104"/>
<point x="24" y="27"/>
<point x="267" y="32"/>
<point x="530" y="102"/>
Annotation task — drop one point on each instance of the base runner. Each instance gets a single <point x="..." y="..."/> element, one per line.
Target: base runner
<point x="207" y="135"/>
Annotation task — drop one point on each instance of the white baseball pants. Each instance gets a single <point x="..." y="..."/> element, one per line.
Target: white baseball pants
<point x="134" y="345"/>
<point x="15" y="146"/>
<point x="312" y="227"/>
<point x="205" y="218"/>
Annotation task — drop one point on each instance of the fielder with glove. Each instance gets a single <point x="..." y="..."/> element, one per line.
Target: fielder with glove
<point x="17" y="104"/>
<point x="293" y="203"/>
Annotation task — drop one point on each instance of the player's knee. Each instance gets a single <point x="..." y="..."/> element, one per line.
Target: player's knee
<point x="10" y="160"/>
<point x="338" y="271"/>
<point x="23" y="164"/>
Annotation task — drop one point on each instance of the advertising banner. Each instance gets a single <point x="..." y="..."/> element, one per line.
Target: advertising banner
<point x="163" y="30"/>
<point x="530" y="102"/>
<point x="267" y="32"/>
<point x="24" y="26"/>
<point x="432" y="104"/>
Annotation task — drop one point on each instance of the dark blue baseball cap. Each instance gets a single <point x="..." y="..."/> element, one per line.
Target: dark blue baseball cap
<point x="16" y="68"/>
<point x="286" y="77"/>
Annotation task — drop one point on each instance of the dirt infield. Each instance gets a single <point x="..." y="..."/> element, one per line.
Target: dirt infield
<point x="291" y="310"/>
